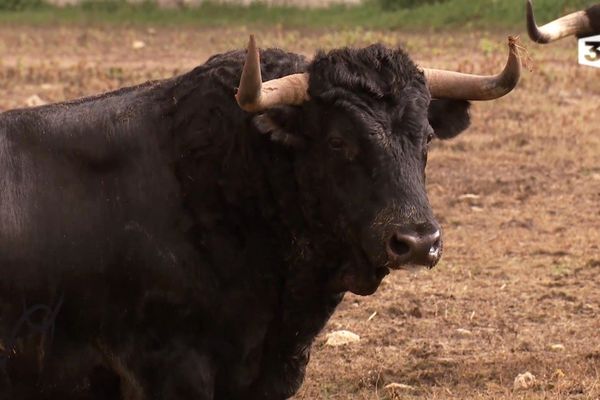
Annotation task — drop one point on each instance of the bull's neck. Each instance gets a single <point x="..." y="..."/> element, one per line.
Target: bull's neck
<point x="233" y="176"/>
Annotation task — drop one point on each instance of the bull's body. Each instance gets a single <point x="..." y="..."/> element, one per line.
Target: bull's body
<point x="151" y="222"/>
<point x="160" y="243"/>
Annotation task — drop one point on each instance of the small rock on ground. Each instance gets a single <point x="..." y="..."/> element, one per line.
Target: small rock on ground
<point x="340" y="338"/>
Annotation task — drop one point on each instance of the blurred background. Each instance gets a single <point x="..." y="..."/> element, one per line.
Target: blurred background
<point x="518" y="194"/>
<point x="382" y="14"/>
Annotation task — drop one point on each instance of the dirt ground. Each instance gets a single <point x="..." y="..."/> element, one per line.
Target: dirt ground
<point x="518" y="289"/>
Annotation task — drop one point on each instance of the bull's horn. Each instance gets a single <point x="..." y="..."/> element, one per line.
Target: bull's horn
<point x="253" y="95"/>
<point x="577" y="23"/>
<point x="455" y="85"/>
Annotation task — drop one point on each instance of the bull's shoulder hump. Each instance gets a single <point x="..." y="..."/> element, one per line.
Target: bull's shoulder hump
<point x="94" y="129"/>
<point x="98" y="102"/>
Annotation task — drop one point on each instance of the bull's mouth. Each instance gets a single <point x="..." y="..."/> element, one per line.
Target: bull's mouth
<point x="362" y="280"/>
<point x="359" y="275"/>
<point x="411" y="267"/>
<point x="362" y="275"/>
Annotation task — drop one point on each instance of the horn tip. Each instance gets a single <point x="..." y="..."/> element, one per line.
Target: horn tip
<point x="532" y="29"/>
<point x="513" y="46"/>
<point x="249" y="90"/>
<point x="529" y="11"/>
<point x="251" y="42"/>
<point x="513" y="67"/>
<point x="513" y="42"/>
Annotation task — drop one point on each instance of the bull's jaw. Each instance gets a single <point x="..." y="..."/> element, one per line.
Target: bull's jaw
<point x="358" y="276"/>
<point x="414" y="268"/>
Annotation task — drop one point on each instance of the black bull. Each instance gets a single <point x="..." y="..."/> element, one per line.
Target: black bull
<point x="158" y="242"/>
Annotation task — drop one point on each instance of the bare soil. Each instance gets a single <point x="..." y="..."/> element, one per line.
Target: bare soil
<point x="518" y="195"/>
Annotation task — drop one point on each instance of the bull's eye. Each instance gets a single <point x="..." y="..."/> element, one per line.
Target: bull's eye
<point x="429" y="137"/>
<point x="429" y="134"/>
<point x="336" y="143"/>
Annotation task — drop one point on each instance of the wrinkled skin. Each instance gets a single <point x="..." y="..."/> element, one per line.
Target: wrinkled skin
<point x="183" y="248"/>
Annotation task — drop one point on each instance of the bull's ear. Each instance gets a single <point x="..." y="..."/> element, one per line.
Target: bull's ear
<point x="448" y="118"/>
<point x="283" y="125"/>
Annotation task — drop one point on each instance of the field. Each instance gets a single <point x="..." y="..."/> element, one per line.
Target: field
<point x="518" y="194"/>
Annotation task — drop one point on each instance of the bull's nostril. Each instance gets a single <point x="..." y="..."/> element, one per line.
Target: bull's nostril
<point x="399" y="247"/>
<point x="435" y="248"/>
<point x="417" y="247"/>
<point x="436" y="245"/>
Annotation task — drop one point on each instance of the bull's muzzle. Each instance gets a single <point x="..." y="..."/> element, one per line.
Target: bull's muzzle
<point x="414" y="247"/>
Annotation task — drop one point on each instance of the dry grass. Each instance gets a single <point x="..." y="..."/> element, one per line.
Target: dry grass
<point x="518" y="196"/>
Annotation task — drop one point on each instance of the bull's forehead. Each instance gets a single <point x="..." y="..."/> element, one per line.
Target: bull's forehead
<point x="374" y="71"/>
<point x="404" y="116"/>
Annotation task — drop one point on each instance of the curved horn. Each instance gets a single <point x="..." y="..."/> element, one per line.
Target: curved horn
<point x="455" y="85"/>
<point x="577" y="23"/>
<point x="253" y="95"/>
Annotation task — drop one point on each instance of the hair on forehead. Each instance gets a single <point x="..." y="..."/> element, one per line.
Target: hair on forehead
<point x="375" y="71"/>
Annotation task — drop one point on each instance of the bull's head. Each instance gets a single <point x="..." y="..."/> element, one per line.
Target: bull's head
<point x="579" y="24"/>
<point x="366" y="122"/>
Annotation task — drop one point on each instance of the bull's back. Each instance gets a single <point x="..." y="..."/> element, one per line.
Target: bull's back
<point x="80" y="181"/>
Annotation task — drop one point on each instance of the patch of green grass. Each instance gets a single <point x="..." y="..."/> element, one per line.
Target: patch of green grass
<point x="373" y="14"/>
<point x="17" y="5"/>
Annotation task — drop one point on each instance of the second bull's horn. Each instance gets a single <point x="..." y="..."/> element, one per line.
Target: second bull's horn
<point x="577" y="24"/>
<point x="253" y="95"/>
<point x="455" y="85"/>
